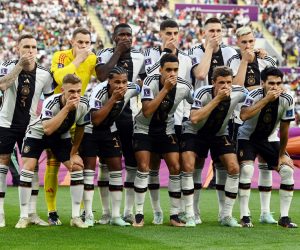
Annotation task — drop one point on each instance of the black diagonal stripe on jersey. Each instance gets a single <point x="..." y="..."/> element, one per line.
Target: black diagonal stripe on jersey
<point x="147" y="52"/>
<point x="84" y="100"/>
<point x="271" y="60"/>
<point x="154" y="67"/>
<point x="239" y="89"/>
<point x="51" y="104"/>
<point x="256" y="92"/>
<point x="185" y="82"/>
<point x="104" y="50"/>
<point x="149" y="79"/>
<point x="216" y="119"/>
<point x="101" y="93"/>
<point x="233" y="58"/>
<point x="288" y="98"/>
<point x="203" y="92"/>
<point x="7" y="63"/>
<point x="266" y="121"/>
<point x="43" y="68"/>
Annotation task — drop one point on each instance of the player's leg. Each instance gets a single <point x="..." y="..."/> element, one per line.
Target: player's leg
<point x="197" y="177"/>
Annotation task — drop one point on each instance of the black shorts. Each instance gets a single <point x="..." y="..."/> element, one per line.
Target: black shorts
<point x="8" y="139"/>
<point x="218" y="145"/>
<point x="178" y="132"/>
<point x="104" y="144"/>
<point x="160" y="144"/>
<point x="61" y="148"/>
<point x="247" y="150"/>
<point x="125" y="129"/>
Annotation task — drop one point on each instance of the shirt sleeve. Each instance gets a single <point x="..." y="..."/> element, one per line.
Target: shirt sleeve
<point x="197" y="102"/>
<point x="94" y="102"/>
<point x="196" y="55"/>
<point x="103" y="56"/>
<point x="234" y="64"/>
<point x="48" y="86"/>
<point x="6" y="68"/>
<point x="48" y="109"/>
<point x="147" y="90"/>
<point x="84" y="116"/>
<point x="289" y="111"/>
<point x="249" y="101"/>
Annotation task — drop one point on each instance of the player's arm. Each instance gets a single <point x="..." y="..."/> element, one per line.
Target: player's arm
<point x="7" y="81"/>
<point x="98" y="116"/>
<point x="248" y="112"/>
<point x="51" y="125"/>
<point x="284" y="136"/>
<point x="149" y="107"/>
<point x="200" y="114"/>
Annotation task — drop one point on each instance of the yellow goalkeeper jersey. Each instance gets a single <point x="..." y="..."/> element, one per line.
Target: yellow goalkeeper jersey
<point x="62" y="65"/>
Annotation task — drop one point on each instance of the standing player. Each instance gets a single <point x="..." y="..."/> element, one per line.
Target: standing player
<point x="265" y="110"/>
<point x="125" y="56"/>
<point x="169" y="33"/>
<point x="247" y="67"/>
<point x="22" y="83"/>
<point x="81" y="61"/>
<point x="207" y="130"/>
<point x="51" y="130"/>
<point x="154" y="132"/>
<point x="205" y="57"/>
<point x="107" y="101"/>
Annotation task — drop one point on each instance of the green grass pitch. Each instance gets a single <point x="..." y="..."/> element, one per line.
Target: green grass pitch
<point x="209" y="235"/>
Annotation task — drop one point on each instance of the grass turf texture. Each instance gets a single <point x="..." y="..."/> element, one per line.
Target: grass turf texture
<point x="209" y="235"/>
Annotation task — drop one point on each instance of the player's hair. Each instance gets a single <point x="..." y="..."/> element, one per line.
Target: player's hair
<point x="71" y="79"/>
<point x="168" y="23"/>
<point x="212" y="20"/>
<point x="81" y="31"/>
<point x="121" y="25"/>
<point x="221" y="71"/>
<point x="118" y="71"/>
<point x="168" y="58"/>
<point x="25" y="36"/>
<point x="242" y="31"/>
<point x="270" y="71"/>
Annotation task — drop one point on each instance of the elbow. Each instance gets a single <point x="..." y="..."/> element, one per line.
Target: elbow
<point x="194" y="121"/>
<point x="47" y="131"/>
<point x="146" y="113"/>
<point x="200" y="77"/>
<point x="101" y="76"/>
<point x="243" y="117"/>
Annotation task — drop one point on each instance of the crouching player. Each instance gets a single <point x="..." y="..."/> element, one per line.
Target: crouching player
<point x="107" y="101"/>
<point x="265" y="110"/>
<point x="51" y="130"/>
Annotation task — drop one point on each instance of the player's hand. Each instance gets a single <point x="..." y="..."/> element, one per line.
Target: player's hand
<point x="82" y="54"/>
<point x="26" y="60"/>
<point x="262" y="53"/>
<point x="223" y="93"/>
<point x="118" y="94"/>
<point x="171" y="44"/>
<point x="72" y="102"/>
<point x="248" y="55"/>
<point x="76" y="161"/>
<point x="286" y="160"/>
<point x="123" y="46"/>
<point x="214" y="42"/>
<point x="170" y="82"/>
<point x="273" y="94"/>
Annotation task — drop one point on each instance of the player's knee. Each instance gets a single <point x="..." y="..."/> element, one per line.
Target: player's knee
<point x="286" y="173"/>
<point x="188" y="167"/>
<point x="233" y="168"/>
<point x="5" y="159"/>
<point x="246" y="172"/>
<point x="76" y="167"/>
<point x="143" y="167"/>
<point x="174" y="169"/>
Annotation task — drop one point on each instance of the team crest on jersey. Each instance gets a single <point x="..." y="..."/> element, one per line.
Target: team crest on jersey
<point x="289" y="113"/>
<point x="98" y="104"/>
<point x="3" y="71"/>
<point x="48" y="113"/>
<point x="194" y="60"/>
<point x="60" y="65"/>
<point x="147" y="92"/>
<point x="26" y="149"/>
<point x="249" y="102"/>
<point x="148" y="61"/>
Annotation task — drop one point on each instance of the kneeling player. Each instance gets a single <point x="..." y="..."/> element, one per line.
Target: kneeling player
<point x="107" y="101"/>
<point x="51" y="130"/>
<point x="264" y="110"/>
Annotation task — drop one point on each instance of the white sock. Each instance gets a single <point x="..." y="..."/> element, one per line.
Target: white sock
<point x="34" y="192"/>
<point x="286" y="189"/>
<point x="246" y="174"/>
<point x="3" y="186"/>
<point x="140" y="188"/>
<point x="25" y="191"/>
<point x="221" y="175"/>
<point x="187" y="185"/>
<point x="197" y="188"/>
<point x="174" y="193"/>
<point x="103" y="184"/>
<point x="130" y="173"/>
<point x="264" y="187"/>
<point x="115" y="188"/>
<point x="153" y="187"/>
<point x="88" y="193"/>
<point x="231" y="189"/>
<point x="76" y="190"/>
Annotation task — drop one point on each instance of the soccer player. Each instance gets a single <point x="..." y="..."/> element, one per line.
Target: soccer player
<point x="154" y="132"/>
<point x="264" y="111"/>
<point x="207" y="130"/>
<point x="169" y="33"/>
<point x="107" y="101"/>
<point x="132" y="60"/>
<point x="246" y="67"/>
<point x="22" y="82"/>
<point x="205" y="57"/>
<point x="81" y="61"/>
<point x="51" y="130"/>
